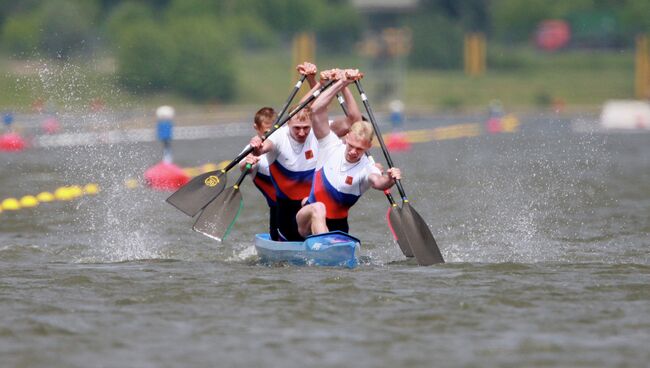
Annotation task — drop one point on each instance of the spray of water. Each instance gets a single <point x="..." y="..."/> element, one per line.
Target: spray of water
<point x="118" y="225"/>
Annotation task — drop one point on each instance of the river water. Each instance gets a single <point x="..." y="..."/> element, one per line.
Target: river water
<point x="545" y="232"/>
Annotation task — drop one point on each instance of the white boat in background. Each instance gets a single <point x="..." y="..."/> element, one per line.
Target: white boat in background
<point x="625" y="115"/>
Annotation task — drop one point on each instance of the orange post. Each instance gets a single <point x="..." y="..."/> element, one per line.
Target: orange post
<point x="642" y="68"/>
<point x="304" y="49"/>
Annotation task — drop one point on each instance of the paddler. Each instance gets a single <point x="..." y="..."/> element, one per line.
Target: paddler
<point x="343" y="172"/>
<point x="292" y="152"/>
<point x="263" y="121"/>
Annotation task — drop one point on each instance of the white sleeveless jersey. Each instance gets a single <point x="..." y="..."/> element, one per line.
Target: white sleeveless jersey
<point x="292" y="164"/>
<point x="337" y="183"/>
<point x="262" y="180"/>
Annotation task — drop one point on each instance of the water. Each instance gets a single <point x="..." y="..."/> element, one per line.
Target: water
<point x="545" y="232"/>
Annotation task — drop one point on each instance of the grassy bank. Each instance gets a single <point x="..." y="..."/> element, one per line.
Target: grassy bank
<point x="578" y="79"/>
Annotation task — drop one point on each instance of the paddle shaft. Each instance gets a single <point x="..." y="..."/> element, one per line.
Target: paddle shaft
<point x="416" y="230"/>
<point x="277" y="126"/>
<point x="344" y="107"/>
<point x="402" y="241"/>
<point x="290" y="99"/>
<point x="371" y="116"/>
<point x="247" y="169"/>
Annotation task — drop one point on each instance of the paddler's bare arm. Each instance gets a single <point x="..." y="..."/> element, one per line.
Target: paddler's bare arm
<point x="259" y="147"/>
<point x="320" y="121"/>
<point x="341" y="126"/>
<point x="381" y="182"/>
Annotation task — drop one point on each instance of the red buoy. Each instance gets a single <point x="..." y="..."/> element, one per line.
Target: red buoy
<point x="165" y="176"/>
<point x="51" y="126"/>
<point x="493" y="125"/>
<point x="11" y="142"/>
<point x="397" y="142"/>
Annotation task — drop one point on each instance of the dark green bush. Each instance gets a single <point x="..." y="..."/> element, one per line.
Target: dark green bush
<point x="146" y="57"/>
<point x="205" y="69"/>
<point x="127" y="14"/>
<point x="21" y="36"/>
<point x="437" y="43"/>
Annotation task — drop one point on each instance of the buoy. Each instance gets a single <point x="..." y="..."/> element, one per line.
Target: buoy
<point x="10" y="204"/>
<point x="397" y="142"/>
<point x="75" y="191"/>
<point x="12" y="142"/>
<point x="51" y="126"/>
<point x="45" y="197"/>
<point x="28" y="201"/>
<point x="63" y="194"/>
<point x="165" y="176"/>
<point x="131" y="183"/>
<point x="91" y="188"/>
<point x="493" y="125"/>
<point x="209" y="167"/>
<point x="192" y="171"/>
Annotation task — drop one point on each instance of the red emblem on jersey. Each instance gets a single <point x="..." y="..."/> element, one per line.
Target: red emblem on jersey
<point x="309" y="154"/>
<point x="348" y="180"/>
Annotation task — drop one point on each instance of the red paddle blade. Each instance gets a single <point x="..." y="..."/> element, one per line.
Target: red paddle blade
<point x="390" y="225"/>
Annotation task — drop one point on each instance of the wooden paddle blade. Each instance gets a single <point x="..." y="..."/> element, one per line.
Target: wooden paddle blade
<point x="420" y="239"/>
<point x="198" y="192"/>
<point x="394" y="219"/>
<point x="217" y="217"/>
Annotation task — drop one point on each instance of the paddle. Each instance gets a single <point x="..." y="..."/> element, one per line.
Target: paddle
<point x="202" y="189"/>
<point x="406" y="221"/>
<point x="394" y="223"/>
<point x="220" y="215"/>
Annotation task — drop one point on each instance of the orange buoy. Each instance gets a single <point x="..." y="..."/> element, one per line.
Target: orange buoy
<point x="165" y="176"/>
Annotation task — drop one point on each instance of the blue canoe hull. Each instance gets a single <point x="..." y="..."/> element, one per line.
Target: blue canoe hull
<point x="335" y="248"/>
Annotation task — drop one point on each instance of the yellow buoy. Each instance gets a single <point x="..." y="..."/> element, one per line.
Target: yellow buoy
<point x="209" y="167"/>
<point x="10" y="204"/>
<point x="131" y="183"/>
<point x="45" y="197"/>
<point x="62" y="194"/>
<point x="28" y="201"/>
<point x="223" y="164"/>
<point x="75" y="191"/>
<point x="91" y="188"/>
<point x="191" y="171"/>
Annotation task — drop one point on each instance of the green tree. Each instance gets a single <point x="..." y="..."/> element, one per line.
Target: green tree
<point x="205" y="68"/>
<point x="126" y="14"/>
<point x="68" y="27"/>
<point x="437" y="43"/>
<point x="21" y="36"/>
<point x="146" y="57"/>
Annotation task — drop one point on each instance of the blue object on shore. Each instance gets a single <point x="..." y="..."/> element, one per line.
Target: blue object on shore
<point x="335" y="248"/>
<point x="164" y="130"/>
<point x="8" y="118"/>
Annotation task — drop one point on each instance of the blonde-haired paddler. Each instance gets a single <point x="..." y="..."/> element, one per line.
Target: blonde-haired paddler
<point x="343" y="172"/>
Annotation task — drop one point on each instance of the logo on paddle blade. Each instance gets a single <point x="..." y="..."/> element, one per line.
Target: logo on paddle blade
<point x="212" y="181"/>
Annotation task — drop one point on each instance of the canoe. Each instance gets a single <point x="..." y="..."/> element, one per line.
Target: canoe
<point x="335" y="248"/>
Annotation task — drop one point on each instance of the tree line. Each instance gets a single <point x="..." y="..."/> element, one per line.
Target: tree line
<point x="190" y="45"/>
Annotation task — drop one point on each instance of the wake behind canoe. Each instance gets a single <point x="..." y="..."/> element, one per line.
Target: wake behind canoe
<point x="335" y="248"/>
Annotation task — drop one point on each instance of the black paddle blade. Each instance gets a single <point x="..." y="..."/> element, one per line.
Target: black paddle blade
<point x="217" y="218"/>
<point x="395" y="223"/>
<point x="419" y="236"/>
<point x="198" y="192"/>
